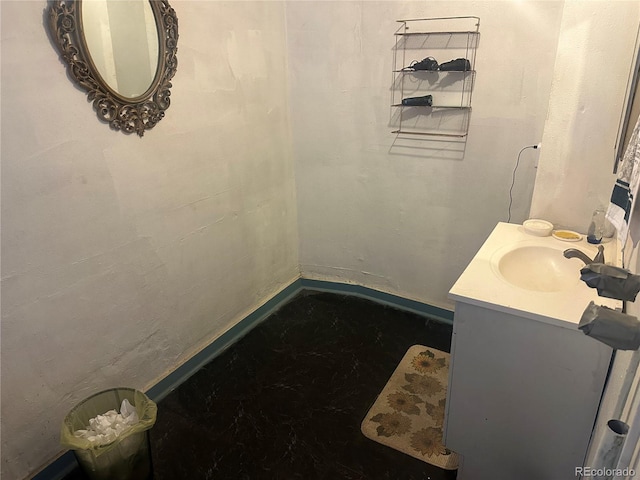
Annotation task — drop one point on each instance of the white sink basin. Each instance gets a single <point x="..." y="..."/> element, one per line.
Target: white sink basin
<point x="538" y="268"/>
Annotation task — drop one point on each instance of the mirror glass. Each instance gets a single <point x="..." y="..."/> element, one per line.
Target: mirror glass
<point x="122" y="41"/>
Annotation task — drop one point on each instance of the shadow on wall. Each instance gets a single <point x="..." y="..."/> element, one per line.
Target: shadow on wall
<point x="443" y="148"/>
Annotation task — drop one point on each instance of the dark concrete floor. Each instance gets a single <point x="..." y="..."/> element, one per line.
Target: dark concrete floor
<point x="286" y="401"/>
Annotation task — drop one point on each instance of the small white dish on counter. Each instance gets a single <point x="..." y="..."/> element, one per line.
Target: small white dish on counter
<point x="537" y="227"/>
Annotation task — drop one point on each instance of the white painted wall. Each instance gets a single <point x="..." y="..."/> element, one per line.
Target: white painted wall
<point x="122" y="256"/>
<point x="406" y="216"/>
<point x="595" y="51"/>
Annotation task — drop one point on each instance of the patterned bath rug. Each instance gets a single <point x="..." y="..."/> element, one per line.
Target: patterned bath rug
<point x="409" y="412"/>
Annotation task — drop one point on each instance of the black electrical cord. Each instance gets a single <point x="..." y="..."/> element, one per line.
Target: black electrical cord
<point x="513" y="178"/>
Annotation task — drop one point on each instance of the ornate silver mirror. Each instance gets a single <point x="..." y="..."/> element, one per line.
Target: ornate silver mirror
<point x="123" y="53"/>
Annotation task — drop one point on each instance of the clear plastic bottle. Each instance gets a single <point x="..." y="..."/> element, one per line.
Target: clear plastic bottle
<point x="596" y="227"/>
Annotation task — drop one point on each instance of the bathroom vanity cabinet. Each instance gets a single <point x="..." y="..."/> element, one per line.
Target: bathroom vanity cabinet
<point x="523" y="395"/>
<point x="524" y="382"/>
<point x="444" y="39"/>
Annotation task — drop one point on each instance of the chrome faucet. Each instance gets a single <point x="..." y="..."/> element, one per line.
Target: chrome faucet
<point x="575" y="253"/>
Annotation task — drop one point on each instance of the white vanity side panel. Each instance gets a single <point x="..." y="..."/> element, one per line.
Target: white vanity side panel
<point x="523" y="395"/>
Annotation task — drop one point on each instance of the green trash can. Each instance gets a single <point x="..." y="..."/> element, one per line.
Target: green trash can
<point x="128" y="457"/>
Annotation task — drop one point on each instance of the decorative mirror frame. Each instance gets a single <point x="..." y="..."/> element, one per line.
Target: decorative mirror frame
<point x="126" y="114"/>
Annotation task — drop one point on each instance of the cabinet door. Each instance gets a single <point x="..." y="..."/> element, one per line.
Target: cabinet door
<point x="523" y="395"/>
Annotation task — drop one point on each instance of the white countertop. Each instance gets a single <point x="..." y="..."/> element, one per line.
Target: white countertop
<point x="481" y="285"/>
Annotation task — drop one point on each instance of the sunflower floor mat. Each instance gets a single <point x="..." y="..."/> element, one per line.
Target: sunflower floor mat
<point x="409" y="412"/>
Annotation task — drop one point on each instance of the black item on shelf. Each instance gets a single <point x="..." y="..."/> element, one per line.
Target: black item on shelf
<point x="457" y="65"/>
<point x="425" y="101"/>
<point x="428" y="63"/>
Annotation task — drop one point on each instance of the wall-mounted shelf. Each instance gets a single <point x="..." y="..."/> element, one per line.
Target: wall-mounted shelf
<point x="432" y="106"/>
<point x="434" y="33"/>
<point x="444" y="39"/>
<point x="414" y="72"/>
